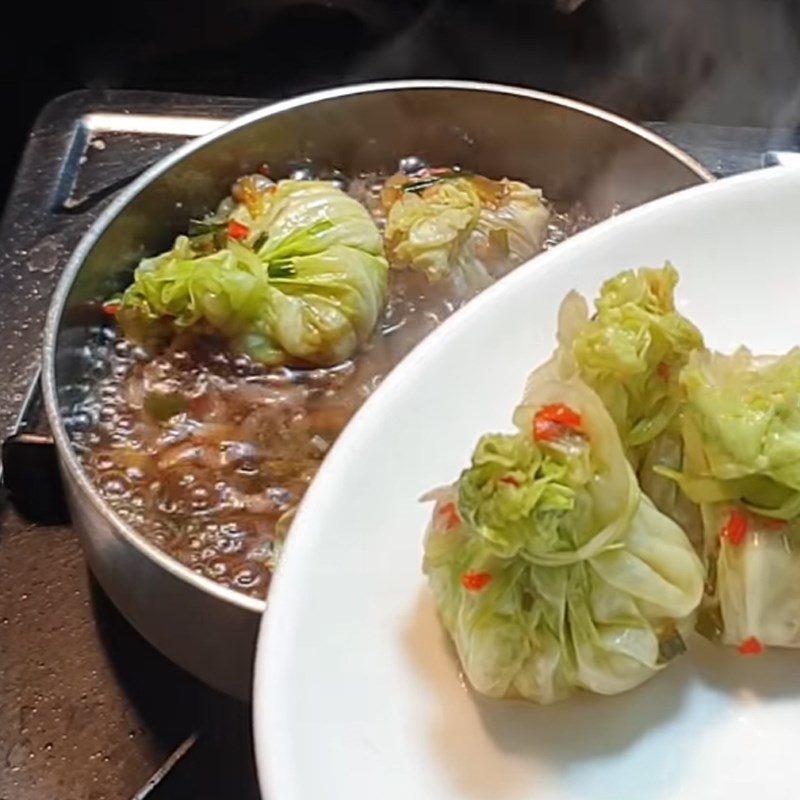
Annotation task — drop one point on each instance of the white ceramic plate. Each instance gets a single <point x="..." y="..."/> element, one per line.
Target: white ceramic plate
<point x="358" y="696"/>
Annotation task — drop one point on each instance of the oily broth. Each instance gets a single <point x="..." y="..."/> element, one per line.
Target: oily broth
<point x="211" y="484"/>
<point x="215" y="484"/>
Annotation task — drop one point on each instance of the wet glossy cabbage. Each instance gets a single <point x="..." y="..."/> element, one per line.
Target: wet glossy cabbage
<point x="466" y="228"/>
<point x="742" y="433"/>
<point x="631" y="353"/>
<point x="551" y="570"/>
<point x="306" y="283"/>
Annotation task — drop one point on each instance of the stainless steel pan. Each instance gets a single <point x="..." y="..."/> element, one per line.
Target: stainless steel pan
<point x="575" y="152"/>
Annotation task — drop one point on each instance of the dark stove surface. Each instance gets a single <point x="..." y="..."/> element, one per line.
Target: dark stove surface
<point x="88" y="710"/>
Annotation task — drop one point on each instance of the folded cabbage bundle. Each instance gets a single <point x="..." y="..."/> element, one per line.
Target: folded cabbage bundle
<point x="631" y="353"/>
<point x="296" y="273"/>
<point x="742" y="436"/>
<point x="461" y="227"/>
<point x="551" y="570"/>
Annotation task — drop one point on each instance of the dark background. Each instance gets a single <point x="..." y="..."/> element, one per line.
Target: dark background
<point x="732" y="62"/>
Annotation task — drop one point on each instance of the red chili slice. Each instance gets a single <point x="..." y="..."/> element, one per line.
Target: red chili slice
<point x="751" y="647"/>
<point x="664" y="371"/>
<point x="237" y="231"/>
<point x="511" y="481"/>
<point x="735" y="529"/>
<point x="553" y="422"/>
<point x="112" y="309"/>
<point x="475" y="581"/>
<point x="546" y="431"/>
<point x="450" y="516"/>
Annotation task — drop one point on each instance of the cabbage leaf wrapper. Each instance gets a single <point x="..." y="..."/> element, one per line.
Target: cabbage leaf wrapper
<point x="550" y="569"/>
<point x="742" y="432"/>
<point x="464" y="228"/>
<point x="631" y="353"/>
<point x="298" y="275"/>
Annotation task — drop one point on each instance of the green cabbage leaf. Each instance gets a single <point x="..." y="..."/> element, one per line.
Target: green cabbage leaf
<point x="305" y="281"/>
<point x="741" y="425"/>
<point x="551" y="571"/>
<point x="465" y="228"/>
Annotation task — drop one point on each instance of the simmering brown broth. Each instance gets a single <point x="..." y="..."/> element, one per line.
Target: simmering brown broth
<point x="206" y="453"/>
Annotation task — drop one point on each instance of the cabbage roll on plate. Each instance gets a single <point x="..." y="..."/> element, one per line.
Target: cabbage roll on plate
<point x="742" y="434"/>
<point x="631" y="352"/>
<point x="551" y="570"/>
